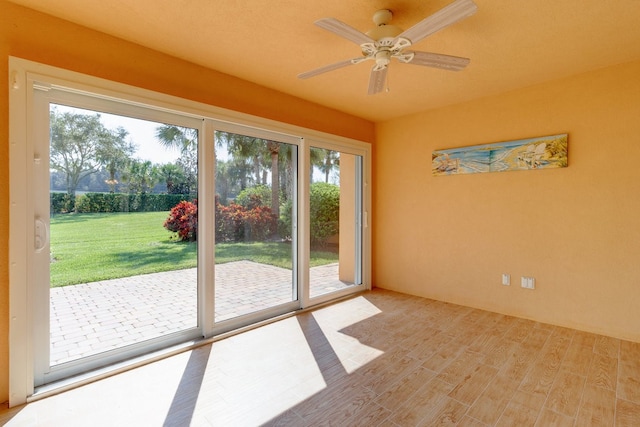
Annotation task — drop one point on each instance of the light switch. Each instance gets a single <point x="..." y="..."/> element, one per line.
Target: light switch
<point x="528" y="282"/>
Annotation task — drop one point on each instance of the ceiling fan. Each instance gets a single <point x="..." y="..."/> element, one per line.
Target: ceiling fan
<point x="386" y="41"/>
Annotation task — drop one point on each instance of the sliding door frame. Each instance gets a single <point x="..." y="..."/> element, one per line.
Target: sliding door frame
<point x="44" y="96"/>
<point x="261" y="315"/>
<point x="24" y="76"/>
<point x="362" y="229"/>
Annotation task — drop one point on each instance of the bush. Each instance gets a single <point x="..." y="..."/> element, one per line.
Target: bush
<point x="259" y="223"/>
<point x="236" y="223"/>
<point x="324" y="212"/>
<point x="114" y="202"/>
<point x="285" y="228"/>
<point x="61" y="203"/>
<point x="255" y="196"/>
<point x="229" y="222"/>
<point x="183" y="220"/>
<point x="100" y="202"/>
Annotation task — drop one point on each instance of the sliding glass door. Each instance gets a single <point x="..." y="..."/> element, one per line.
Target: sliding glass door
<point x="255" y="207"/>
<point x="116" y="222"/>
<point x="141" y="222"/>
<point x="120" y="223"/>
<point x="335" y="221"/>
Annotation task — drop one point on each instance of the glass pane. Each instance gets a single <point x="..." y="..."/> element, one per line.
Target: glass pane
<point x="255" y="181"/>
<point x="334" y="217"/>
<point x="123" y="221"/>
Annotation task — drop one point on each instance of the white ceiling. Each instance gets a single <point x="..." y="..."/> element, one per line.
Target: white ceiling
<point x="511" y="44"/>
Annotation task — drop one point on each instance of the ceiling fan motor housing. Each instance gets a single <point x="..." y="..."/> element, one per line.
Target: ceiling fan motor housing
<point x="384" y="33"/>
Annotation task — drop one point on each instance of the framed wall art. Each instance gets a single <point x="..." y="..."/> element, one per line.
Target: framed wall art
<point x="524" y="154"/>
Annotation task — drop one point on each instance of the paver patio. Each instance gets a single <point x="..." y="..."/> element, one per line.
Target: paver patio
<point x="91" y="318"/>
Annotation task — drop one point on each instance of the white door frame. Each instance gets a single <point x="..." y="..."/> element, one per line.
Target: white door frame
<point x="24" y="75"/>
<point x="39" y="286"/>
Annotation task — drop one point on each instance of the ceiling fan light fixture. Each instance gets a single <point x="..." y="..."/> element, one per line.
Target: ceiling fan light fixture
<point x="383" y="57"/>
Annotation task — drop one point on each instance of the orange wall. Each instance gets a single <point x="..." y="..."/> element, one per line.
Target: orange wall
<point x="576" y="229"/>
<point x="34" y="36"/>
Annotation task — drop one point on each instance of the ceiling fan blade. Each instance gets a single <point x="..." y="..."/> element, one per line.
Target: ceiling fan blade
<point x="377" y="80"/>
<point x="327" y="68"/>
<point x="437" y="60"/>
<point x="450" y="14"/>
<point x="344" y="30"/>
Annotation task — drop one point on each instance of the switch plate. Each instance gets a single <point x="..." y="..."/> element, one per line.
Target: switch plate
<point x="528" y="282"/>
<point x="506" y="279"/>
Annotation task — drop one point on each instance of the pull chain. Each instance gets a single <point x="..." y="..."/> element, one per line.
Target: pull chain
<point x="388" y="78"/>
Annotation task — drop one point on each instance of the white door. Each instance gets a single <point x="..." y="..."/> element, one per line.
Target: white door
<point x="97" y="278"/>
<point x="114" y="277"/>
<point x="334" y="205"/>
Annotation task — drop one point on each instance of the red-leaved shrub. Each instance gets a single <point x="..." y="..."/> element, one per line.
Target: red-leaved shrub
<point x="234" y="223"/>
<point x="260" y="223"/>
<point x="183" y="220"/>
<point x="229" y="222"/>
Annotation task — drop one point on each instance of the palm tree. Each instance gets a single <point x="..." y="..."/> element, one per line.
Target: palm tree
<point x="274" y="150"/>
<point x="141" y="176"/>
<point x="263" y="156"/>
<point x="331" y="162"/>
<point x="246" y="150"/>
<point x="179" y="137"/>
<point x="325" y="160"/>
<point x="286" y="171"/>
<point x="114" y="154"/>
<point x="186" y="141"/>
<point x="173" y="177"/>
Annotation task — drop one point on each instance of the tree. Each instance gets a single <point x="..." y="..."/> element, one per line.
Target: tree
<point x="114" y="154"/>
<point x="179" y="137"/>
<point x="274" y="150"/>
<point x="325" y="160"/>
<point x="76" y="140"/>
<point x="247" y="154"/>
<point x="173" y="177"/>
<point x="285" y="172"/>
<point x="224" y="180"/>
<point x="186" y="141"/>
<point x="264" y="156"/>
<point x="188" y="163"/>
<point x="141" y="176"/>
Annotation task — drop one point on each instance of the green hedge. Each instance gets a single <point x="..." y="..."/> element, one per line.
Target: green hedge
<point x="115" y="202"/>
<point x="324" y="215"/>
<point x="60" y="203"/>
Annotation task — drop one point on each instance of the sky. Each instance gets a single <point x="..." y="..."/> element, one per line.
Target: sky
<point x="141" y="132"/>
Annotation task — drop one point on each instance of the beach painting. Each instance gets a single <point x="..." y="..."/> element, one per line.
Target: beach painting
<point x="524" y="154"/>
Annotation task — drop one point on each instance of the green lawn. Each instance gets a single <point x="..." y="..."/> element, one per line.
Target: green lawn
<point x="91" y="247"/>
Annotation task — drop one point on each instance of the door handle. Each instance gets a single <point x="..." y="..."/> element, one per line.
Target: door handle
<point x="41" y="237"/>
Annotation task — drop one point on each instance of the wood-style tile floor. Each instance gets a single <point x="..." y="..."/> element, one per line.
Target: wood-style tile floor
<point x="381" y="358"/>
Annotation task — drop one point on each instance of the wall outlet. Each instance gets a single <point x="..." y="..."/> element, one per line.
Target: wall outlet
<point x="528" y="282"/>
<point x="506" y="279"/>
